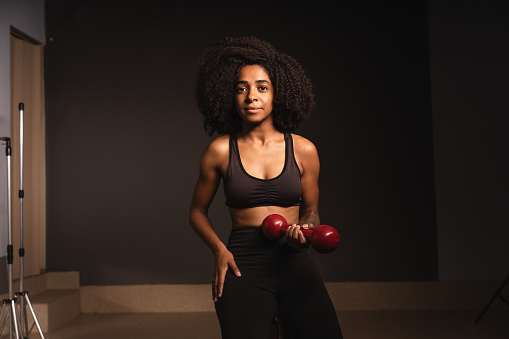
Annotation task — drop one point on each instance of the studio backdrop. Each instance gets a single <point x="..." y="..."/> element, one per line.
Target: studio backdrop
<point x="124" y="135"/>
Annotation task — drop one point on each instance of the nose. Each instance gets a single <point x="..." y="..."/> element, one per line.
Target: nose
<point x="251" y="96"/>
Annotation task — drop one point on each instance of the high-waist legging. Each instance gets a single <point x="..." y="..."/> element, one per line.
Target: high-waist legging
<point x="275" y="278"/>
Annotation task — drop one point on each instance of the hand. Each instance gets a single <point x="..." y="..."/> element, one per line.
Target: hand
<point x="295" y="238"/>
<point x="224" y="260"/>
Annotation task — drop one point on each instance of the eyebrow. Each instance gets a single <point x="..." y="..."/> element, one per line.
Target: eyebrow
<point x="257" y="81"/>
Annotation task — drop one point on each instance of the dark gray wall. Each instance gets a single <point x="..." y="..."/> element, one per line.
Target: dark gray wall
<point x="469" y="71"/>
<point x="125" y="136"/>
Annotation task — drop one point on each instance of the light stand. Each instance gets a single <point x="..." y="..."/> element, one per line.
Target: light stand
<point x="497" y="294"/>
<point x="23" y="295"/>
<point x="10" y="257"/>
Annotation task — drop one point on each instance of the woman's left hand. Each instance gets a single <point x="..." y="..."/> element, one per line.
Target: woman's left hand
<point x="294" y="236"/>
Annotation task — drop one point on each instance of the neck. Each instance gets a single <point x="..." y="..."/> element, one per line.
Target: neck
<point x="261" y="133"/>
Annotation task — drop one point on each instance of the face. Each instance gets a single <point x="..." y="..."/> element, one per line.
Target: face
<point x="254" y="95"/>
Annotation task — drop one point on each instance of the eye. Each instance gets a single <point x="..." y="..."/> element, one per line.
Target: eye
<point x="241" y="89"/>
<point x="262" y="88"/>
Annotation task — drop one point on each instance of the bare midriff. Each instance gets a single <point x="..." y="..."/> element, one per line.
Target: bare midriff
<point x="253" y="216"/>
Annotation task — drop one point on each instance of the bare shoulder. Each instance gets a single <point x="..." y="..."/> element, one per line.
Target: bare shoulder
<point x="216" y="154"/>
<point x="304" y="147"/>
<point x="219" y="146"/>
<point x="306" y="155"/>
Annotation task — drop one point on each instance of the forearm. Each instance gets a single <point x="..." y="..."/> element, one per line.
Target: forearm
<point x="310" y="218"/>
<point x="202" y="225"/>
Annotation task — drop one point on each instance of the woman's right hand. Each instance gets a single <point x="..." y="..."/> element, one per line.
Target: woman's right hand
<point x="224" y="260"/>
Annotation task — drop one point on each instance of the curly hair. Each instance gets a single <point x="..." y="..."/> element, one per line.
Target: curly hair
<point x="220" y="65"/>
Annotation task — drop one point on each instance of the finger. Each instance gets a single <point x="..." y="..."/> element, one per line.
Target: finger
<point x="216" y="281"/>
<point x="288" y="231"/>
<point x="234" y="268"/>
<point x="292" y="231"/>
<point x="293" y="235"/>
<point x="213" y="290"/>
<point x="289" y="234"/>
<point x="302" y="239"/>
<point x="220" y="282"/>
<point x="219" y="288"/>
<point x="215" y="287"/>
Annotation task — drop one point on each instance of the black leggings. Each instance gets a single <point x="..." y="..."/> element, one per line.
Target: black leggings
<point x="275" y="277"/>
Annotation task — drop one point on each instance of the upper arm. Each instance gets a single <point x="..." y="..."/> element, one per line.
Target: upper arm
<point x="310" y="163"/>
<point x="209" y="177"/>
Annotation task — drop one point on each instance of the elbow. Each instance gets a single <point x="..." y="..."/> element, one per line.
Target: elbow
<point x="196" y="215"/>
<point x="192" y="217"/>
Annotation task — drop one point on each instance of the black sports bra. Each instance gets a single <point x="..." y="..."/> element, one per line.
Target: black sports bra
<point x="243" y="190"/>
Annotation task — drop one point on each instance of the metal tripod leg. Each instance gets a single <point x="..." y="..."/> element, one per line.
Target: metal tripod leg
<point x="497" y="294"/>
<point x="7" y="316"/>
<point x="23" y="319"/>
<point x="24" y="296"/>
<point x="14" y="320"/>
<point x="5" y="302"/>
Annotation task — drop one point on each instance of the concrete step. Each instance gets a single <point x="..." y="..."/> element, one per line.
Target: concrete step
<point x="53" y="308"/>
<point x="55" y="297"/>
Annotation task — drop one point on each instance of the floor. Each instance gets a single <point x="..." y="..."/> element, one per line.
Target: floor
<point x="355" y="325"/>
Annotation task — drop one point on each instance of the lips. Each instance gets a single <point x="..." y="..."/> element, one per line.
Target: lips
<point x="253" y="109"/>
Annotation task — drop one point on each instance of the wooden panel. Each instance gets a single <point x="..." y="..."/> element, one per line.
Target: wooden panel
<point x="27" y="86"/>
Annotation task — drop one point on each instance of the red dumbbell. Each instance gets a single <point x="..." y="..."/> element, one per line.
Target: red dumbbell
<point x="323" y="239"/>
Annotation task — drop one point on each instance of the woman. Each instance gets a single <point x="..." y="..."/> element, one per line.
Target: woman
<point x="254" y="97"/>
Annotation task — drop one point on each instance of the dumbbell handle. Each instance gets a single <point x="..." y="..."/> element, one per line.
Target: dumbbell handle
<point x="305" y="231"/>
<point x="323" y="239"/>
